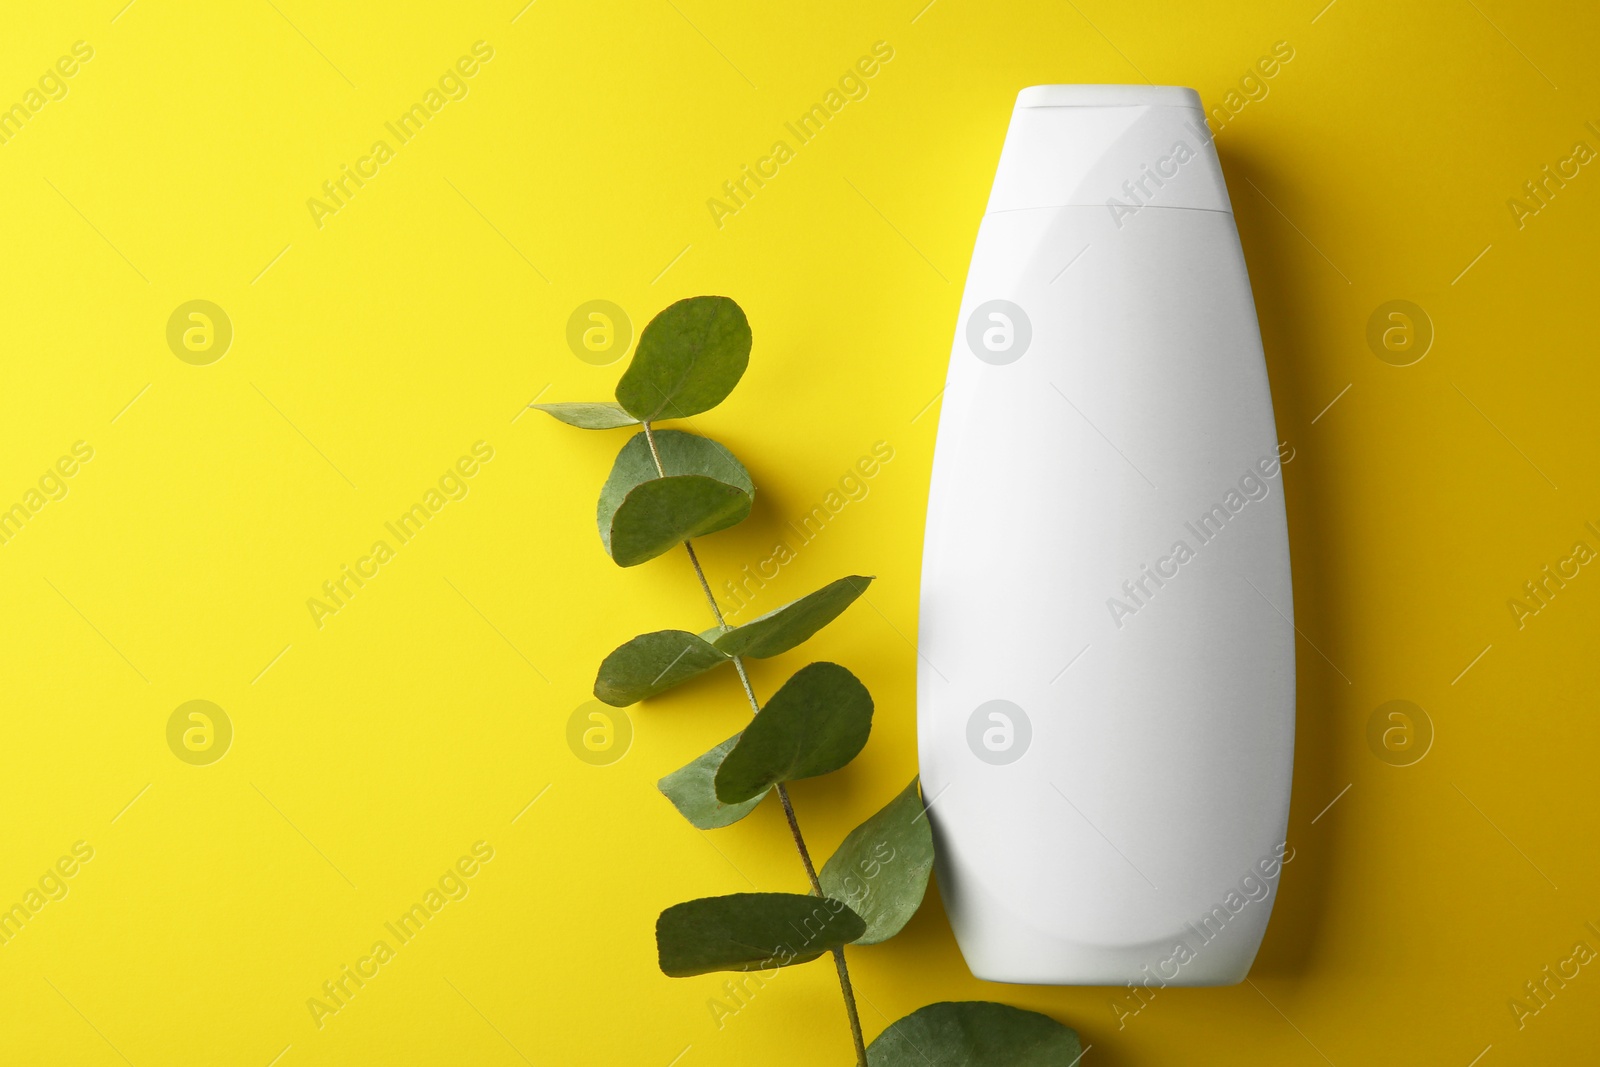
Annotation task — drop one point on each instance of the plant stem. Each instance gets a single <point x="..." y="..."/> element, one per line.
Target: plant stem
<point x="783" y="794"/>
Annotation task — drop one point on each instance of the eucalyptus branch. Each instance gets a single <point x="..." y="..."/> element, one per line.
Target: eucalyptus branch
<point x="669" y="487"/>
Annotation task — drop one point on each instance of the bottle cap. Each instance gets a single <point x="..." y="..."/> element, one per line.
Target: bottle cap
<point x="1120" y="147"/>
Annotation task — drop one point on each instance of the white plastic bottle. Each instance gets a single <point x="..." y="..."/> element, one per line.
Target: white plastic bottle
<point x="1106" y="669"/>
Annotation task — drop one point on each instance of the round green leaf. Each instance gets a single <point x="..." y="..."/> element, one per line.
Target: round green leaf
<point x="653" y="663"/>
<point x="657" y="516"/>
<point x="794" y="623"/>
<point x="881" y="870"/>
<point x="706" y="490"/>
<point x="589" y="416"/>
<point x="692" y="792"/>
<point x="681" y="454"/>
<point x="751" y="932"/>
<point x="689" y="359"/>
<point x="814" y="724"/>
<point x="975" y="1033"/>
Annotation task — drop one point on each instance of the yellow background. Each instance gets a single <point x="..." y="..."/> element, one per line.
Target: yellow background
<point x="370" y="353"/>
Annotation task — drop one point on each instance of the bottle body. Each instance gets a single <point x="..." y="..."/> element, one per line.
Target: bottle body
<point x="1106" y="678"/>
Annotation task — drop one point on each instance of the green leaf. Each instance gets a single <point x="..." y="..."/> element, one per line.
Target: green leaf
<point x="642" y="514"/>
<point x="788" y="626"/>
<point x="653" y="663"/>
<point x="881" y="870"/>
<point x="751" y="932"/>
<point x="689" y="359"/>
<point x="975" y="1033"/>
<point x="658" y="516"/>
<point x="814" y="724"/>
<point x="691" y="791"/>
<point x="589" y="416"/>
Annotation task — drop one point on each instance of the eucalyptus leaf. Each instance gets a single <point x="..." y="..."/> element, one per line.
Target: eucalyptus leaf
<point x="653" y="663"/>
<point x="706" y="489"/>
<point x="751" y="932"/>
<point x="689" y="359"/>
<point x="881" y="870"/>
<point x="658" y="516"/>
<point x="975" y="1033"/>
<point x="692" y="792"/>
<point x="589" y="416"/>
<point x="816" y="723"/>
<point x="780" y="630"/>
<point x="681" y="453"/>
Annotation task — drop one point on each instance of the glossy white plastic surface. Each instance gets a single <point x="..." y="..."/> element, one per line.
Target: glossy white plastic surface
<point x="1120" y="816"/>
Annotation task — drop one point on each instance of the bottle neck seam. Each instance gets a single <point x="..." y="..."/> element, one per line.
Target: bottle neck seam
<point x="1102" y="207"/>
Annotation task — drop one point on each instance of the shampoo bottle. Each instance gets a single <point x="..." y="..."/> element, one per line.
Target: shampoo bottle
<point x="1106" y="668"/>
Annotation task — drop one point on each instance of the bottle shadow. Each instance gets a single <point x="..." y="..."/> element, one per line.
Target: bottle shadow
<point x="1282" y="279"/>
